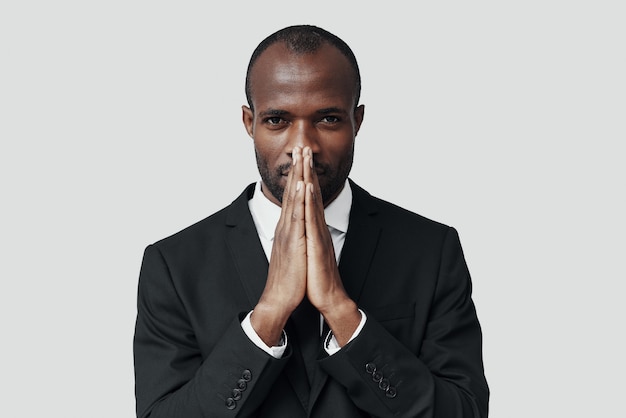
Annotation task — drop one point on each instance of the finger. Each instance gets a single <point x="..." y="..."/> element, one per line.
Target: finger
<point x="298" y="212"/>
<point x="296" y="176"/>
<point x="290" y="185"/>
<point x="292" y="176"/>
<point x="309" y="204"/>
<point x="313" y="220"/>
<point x="299" y="191"/>
<point x="307" y="165"/>
<point x="297" y="168"/>
<point x="314" y="209"/>
<point x="317" y="191"/>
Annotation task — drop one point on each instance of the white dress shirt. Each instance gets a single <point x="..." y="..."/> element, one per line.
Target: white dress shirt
<point x="266" y="215"/>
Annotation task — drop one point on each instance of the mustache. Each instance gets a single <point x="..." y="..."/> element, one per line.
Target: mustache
<point x="284" y="169"/>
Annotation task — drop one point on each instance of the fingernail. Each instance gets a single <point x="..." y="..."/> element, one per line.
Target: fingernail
<point x="298" y="186"/>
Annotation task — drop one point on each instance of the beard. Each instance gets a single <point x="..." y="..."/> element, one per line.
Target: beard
<point x="331" y="179"/>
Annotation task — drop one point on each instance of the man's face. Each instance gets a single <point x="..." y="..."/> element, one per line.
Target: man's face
<point x="303" y="100"/>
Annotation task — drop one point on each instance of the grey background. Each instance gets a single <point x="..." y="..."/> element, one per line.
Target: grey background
<point x="120" y="124"/>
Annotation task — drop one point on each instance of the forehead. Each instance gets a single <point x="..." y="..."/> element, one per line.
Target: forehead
<point x="280" y="74"/>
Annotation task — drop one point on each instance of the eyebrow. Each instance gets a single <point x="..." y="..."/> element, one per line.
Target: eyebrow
<point x="273" y="112"/>
<point x="328" y="110"/>
<point x="280" y="112"/>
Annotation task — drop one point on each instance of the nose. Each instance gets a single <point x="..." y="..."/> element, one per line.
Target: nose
<point x="303" y="134"/>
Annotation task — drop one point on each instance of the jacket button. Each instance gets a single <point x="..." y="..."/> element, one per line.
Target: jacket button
<point x="377" y="376"/>
<point x="370" y="368"/>
<point x="391" y="392"/>
<point x="384" y="384"/>
<point x="241" y="384"/>
<point x="246" y="375"/>
<point x="236" y="394"/>
<point x="230" y="403"/>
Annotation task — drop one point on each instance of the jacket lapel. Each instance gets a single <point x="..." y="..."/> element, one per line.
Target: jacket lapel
<point x="245" y="247"/>
<point x="356" y="256"/>
<point x="252" y="266"/>
<point x="361" y="241"/>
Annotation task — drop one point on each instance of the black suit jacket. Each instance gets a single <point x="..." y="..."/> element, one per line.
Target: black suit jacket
<point x="419" y="354"/>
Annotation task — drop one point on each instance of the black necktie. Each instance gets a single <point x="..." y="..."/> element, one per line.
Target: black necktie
<point x="307" y="327"/>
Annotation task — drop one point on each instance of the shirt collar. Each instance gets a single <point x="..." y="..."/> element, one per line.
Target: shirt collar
<point x="337" y="214"/>
<point x="267" y="213"/>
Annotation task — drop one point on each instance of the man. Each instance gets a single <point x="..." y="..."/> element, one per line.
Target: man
<point x="364" y="309"/>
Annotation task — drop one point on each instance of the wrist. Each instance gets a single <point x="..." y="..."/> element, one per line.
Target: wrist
<point x="343" y="319"/>
<point x="268" y="322"/>
<point x="336" y="311"/>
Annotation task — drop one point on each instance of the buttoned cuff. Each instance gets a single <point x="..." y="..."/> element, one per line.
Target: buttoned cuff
<point x="276" y="351"/>
<point x="330" y="343"/>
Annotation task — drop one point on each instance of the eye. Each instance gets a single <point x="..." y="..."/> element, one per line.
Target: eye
<point x="273" y="120"/>
<point x="330" y="119"/>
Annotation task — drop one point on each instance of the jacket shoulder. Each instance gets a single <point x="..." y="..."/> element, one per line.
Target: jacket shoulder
<point x="209" y="228"/>
<point x="391" y="215"/>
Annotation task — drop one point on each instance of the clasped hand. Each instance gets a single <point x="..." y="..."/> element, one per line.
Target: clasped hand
<point x="303" y="261"/>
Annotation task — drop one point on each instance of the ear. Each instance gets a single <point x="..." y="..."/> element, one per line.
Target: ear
<point x="247" y="115"/>
<point x="359" y="113"/>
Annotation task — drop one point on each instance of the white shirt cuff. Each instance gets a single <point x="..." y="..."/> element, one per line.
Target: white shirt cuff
<point x="330" y="343"/>
<point x="276" y="351"/>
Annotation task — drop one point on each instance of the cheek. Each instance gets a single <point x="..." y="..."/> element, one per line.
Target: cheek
<point x="269" y="151"/>
<point x="339" y="149"/>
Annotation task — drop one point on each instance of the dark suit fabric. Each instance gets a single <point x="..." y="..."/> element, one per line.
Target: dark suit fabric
<point x="407" y="273"/>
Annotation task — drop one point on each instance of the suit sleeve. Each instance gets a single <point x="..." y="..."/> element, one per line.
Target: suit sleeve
<point x="444" y="379"/>
<point x="172" y="376"/>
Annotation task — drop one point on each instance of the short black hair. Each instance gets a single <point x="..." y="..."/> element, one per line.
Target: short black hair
<point x="304" y="39"/>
